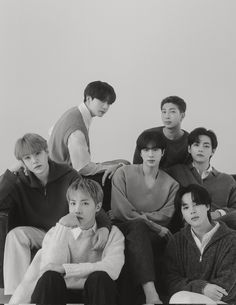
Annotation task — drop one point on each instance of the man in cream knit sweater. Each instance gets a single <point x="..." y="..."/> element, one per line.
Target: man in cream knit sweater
<point x="67" y="269"/>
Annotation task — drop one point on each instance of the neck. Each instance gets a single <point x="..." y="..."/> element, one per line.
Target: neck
<point x="150" y="171"/>
<point x="201" y="167"/>
<point x="87" y="105"/>
<point x="173" y="133"/>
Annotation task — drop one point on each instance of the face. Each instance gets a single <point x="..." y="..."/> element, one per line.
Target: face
<point x="96" y="106"/>
<point x="201" y="151"/>
<point x="37" y="163"/>
<point x="151" y="156"/>
<point x="195" y="215"/>
<point x="171" y="116"/>
<point x="83" y="206"/>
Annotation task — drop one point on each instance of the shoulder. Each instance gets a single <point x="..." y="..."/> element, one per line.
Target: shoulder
<point x="126" y="170"/>
<point x="223" y="176"/>
<point x="115" y="235"/>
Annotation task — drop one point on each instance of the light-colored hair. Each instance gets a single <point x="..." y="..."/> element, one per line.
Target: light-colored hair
<point x="91" y="187"/>
<point x="29" y="144"/>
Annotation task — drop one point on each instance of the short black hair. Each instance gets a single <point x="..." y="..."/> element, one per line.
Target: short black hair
<point x="194" y="135"/>
<point x="176" y="100"/>
<point x="100" y="90"/>
<point x="151" y="137"/>
<point x="199" y="195"/>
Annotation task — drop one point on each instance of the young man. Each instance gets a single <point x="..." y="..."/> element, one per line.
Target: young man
<point x="200" y="265"/>
<point x="172" y="113"/>
<point x="202" y="144"/>
<point x="36" y="201"/>
<point x="142" y="205"/>
<point x="69" y="140"/>
<point x="67" y="262"/>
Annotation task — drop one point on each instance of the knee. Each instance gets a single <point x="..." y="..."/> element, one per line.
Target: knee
<point x="17" y="235"/>
<point x="98" y="277"/>
<point x="180" y="298"/>
<point x="50" y="276"/>
<point x="138" y="228"/>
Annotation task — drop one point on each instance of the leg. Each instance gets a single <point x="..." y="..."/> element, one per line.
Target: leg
<point x="17" y="254"/>
<point x="100" y="289"/>
<point x="50" y="289"/>
<point x="186" y="297"/>
<point x="139" y="262"/>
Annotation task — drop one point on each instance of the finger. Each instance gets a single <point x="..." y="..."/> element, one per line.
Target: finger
<point x="104" y="177"/>
<point x="222" y="290"/>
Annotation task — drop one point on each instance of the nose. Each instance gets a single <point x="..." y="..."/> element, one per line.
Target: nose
<point x="106" y="105"/>
<point x="78" y="209"/>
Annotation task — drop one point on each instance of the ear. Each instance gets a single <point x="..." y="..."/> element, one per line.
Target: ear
<point x="189" y="149"/>
<point x="182" y="115"/>
<point x="98" y="207"/>
<point x="88" y="99"/>
<point x="208" y="208"/>
<point x="213" y="151"/>
<point x="163" y="151"/>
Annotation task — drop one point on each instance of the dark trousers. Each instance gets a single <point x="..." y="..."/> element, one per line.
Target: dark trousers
<point x="143" y="250"/>
<point x="51" y="288"/>
<point x="106" y="204"/>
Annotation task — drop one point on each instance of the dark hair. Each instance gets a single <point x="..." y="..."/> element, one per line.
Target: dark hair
<point x="193" y="137"/>
<point x="29" y="144"/>
<point x="199" y="195"/>
<point x="89" y="186"/>
<point x="100" y="90"/>
<point x="151" y="137"/>
<point x="176" y="100"/>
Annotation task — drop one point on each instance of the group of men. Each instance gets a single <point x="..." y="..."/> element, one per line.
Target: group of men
<point x="35" y="190"/>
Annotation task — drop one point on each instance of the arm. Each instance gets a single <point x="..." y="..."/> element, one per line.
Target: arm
<point x="164" y="215"/>
<point x="111" y="262"/>
<point x="121" y="207"/>
<point x="80" y="156"/>
<point x="55" y="248"/>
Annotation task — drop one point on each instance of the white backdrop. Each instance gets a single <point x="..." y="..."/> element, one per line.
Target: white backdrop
<point x="147" y="49"/>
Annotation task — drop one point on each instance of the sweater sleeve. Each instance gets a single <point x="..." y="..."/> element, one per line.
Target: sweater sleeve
<point x="226" y="272"/>
<point x="164" y="215"/>
<point x="232" y="198"/>
<point x="112" y="259"/>
<point x="174" y="272"/>
<point x="55" y="247"/>
<point x="121" y="207"/>
<point x="103" y="220"/>
<point x="7" y="189"/>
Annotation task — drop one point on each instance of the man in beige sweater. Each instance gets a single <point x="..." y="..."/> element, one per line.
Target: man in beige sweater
<point x="67" y="269"/>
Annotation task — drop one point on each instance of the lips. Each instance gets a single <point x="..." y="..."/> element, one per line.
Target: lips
<point x="195" y="218"/>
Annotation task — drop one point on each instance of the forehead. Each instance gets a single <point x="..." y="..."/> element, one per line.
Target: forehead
<point x="79" y="195"/>
<point x="151" y="145"/>
<point x="169" y="106"/>
<point x="204" y="139"/>
<point x="187" y="199"/>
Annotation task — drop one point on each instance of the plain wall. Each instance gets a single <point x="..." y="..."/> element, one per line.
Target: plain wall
<point x="147" y="49"/>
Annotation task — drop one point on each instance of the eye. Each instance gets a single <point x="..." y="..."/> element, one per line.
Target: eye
<point x="85" y="203"/>
<point x="26" y="158"/>
<point x="72" y="203"/>
<point x="196" y="144"/>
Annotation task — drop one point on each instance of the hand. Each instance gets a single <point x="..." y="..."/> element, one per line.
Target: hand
<point x="19" y="164"/>
<point x="160" y="230"/>
<point x="100" y="238"/>
<point x="215" y="215"/>
<point x="110" y="172"/>
<point x="53" y="267"/>
<point x="110" y="215"/>
<point x="214" y="292"/>
<point x="70" y="220"/>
